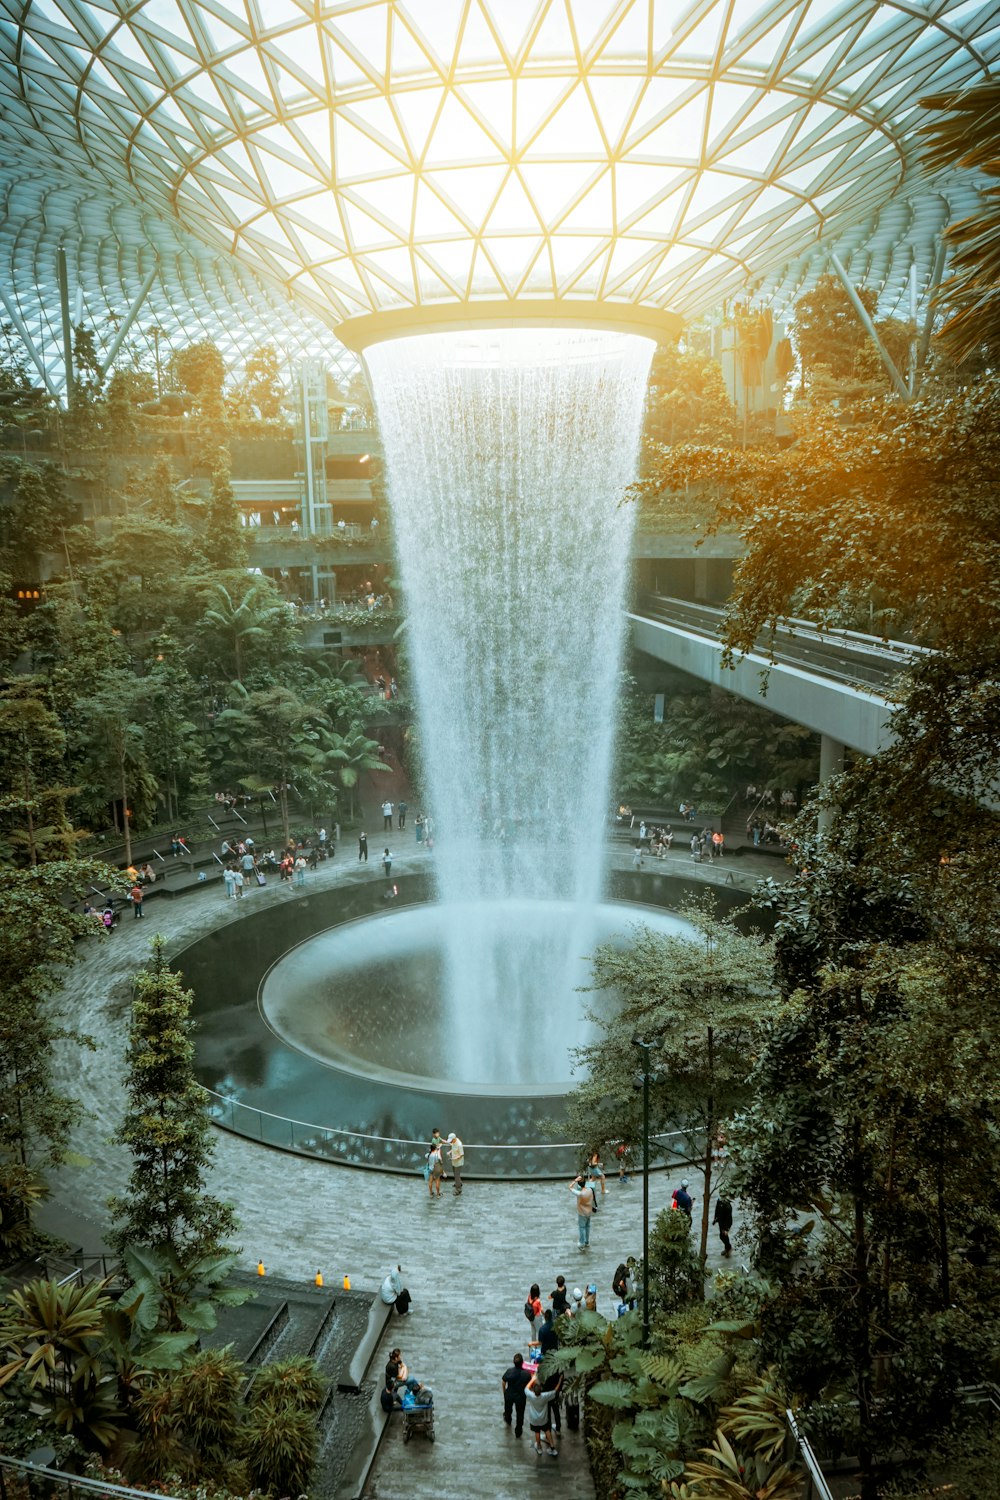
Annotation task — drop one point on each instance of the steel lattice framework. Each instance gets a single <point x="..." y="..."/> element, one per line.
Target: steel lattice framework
<point x="277" y="166"/>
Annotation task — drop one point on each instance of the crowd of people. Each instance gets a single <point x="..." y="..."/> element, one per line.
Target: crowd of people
<point x="243" y="865"/>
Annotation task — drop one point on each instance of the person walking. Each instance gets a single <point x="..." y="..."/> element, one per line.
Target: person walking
<point x="386" y="816"/>
<point x="538" y="1404"/>
<point x="724" y="1219"/>
<point x="457" y="1153"/>
<point x="362" y="847"/>
<point x="682" y="1199"/>
<point x="387" y="862"/>
<point x="584" y="1195"/>
<point x="238" y="883"/>
<point x="402" y="808"/>
<point x="135" y="895"/>
<point x="514" y="1383"/>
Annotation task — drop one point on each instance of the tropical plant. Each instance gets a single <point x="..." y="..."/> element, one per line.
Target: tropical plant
<point x="241" y="621"/>
<point x="166" y="1128"/>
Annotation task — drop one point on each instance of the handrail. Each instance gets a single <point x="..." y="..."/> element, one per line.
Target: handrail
<point x="75" y="1481"/>
<point x="817" y="1479"/>
<point x="529" y="1158"/>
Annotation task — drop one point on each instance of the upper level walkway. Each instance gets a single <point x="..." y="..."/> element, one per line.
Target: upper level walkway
<point x="839" y="683"/>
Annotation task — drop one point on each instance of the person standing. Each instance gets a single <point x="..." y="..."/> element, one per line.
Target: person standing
<point x="533" y="1308"/>
<point x="418" y="828"/>
<point x="136" y="897"/>
<point x="229" y="876"/>
<point x="547" y="1337"/>
<point x="435" y="1164"/>
<point x="386" y="816"/>
<point x="238" y="883"/>
<point x="584" y="1209"/>
<point x="595" y="1174"/>
<point x="362" y="847"/>
<point x="514" y="1383"/>
<point x="387" y="862"/>
<point x="457" y="1153"/>
<point x="724" y="1219"/>
<point x="402" y="809"/>
<point x="559" y="1297"/>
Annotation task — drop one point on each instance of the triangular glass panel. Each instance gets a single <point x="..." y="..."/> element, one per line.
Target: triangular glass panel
<point x="494" y="102"/>
<point x="376" y="116"/>
<point x="484" y="279"/>
<point x="513" y="255"/>
<point x="635" y="186"/>
<point x="314" y="248"/>
<point x="630" y="37"/>
<point x="679" y="138"/>
<point x="407" y="56"/>
<point x="478" y="44"/>
<point x="431" y="286"/>
<point x="364" y="32"/>
<point x="756" y="153"/>
<point x="512" y="210"/>
<point x="432" y="217"/>
<point x="626" y="258"/>
<point x="457" y="136"/>
<point x="659" y="96"/>
<point x="454" y="257"/>
<point x="731" y="104"/>
<point x="594" y="211"/>
<point x="356" y="154"/>
<point x="554" y="38"/>
<point x="553" y="185"/>
<point x="590" y="21"/>
<point x="614" y="100"/>
<point x="573" y="131"/>
<point x="713" y="190"/>
<point x="471" y="190"/>
<point x="418" y="109"/>
<point x="700" y="40"/>
<point x="366" y="231"/>
<point x="300" y="50"/>
<point x="395" y="266"/>
<point x="512" y="19"/>
<point x="284" y="180"/>
<point x="438" y="25"/>
<point x="571" y="252"/>
<point x="392" y="197"/>
<point x="535" y="98"/>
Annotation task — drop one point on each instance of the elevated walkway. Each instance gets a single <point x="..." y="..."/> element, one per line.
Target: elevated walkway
<point x="839" y="683"/>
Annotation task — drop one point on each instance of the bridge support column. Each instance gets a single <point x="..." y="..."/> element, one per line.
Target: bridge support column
<point x="831" y="763"/>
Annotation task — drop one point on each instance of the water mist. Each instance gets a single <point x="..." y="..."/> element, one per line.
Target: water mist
<point x="507" y="453"/>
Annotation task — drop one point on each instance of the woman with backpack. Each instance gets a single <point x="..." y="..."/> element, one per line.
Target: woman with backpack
<point x="533" y="1309"/>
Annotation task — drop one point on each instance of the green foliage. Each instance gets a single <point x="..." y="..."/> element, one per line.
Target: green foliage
<point x="167" y="1130"/>
<point x="675" y="1272"/>
<point x="706" y="1004"/>
<point x="280" y="1447"/>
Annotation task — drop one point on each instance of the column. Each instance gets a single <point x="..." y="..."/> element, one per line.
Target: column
<point x="831" y="763"/>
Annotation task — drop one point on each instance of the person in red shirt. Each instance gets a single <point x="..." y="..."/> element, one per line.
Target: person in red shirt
<point x="135" y="895"/>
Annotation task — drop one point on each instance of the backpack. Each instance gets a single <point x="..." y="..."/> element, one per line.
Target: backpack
<point x="529" y="1310"/>
<point x="386" y="1399"/>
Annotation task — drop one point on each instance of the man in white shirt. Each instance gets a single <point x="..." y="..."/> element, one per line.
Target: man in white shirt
<point x="457" y="1160"/>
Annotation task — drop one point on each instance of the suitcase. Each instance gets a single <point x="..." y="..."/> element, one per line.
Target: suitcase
<point x="261" y="878"/>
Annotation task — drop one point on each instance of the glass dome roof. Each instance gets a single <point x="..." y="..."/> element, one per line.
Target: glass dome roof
<point x="303" y="162"/>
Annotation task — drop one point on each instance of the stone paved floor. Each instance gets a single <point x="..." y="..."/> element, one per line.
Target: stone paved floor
<point x="468" y="1261"/>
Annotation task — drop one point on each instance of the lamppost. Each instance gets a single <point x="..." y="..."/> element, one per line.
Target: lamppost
<point x="645" y="1048"/>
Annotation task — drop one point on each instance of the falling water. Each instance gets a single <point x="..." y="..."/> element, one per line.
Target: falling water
<point x="507" y="452"/>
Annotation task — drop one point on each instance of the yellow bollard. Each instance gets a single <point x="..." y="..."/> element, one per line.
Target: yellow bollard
<point x="347" y="1282"/>
<point x="319" y="1278"/>
<point x="260" y="1268"/>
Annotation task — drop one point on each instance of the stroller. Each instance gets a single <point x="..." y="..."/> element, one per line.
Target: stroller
<point x="417" y="1407"/>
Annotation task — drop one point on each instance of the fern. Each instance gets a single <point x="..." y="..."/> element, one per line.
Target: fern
<point x="617" y="1393"/>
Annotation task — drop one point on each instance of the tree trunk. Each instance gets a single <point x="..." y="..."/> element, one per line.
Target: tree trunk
<point x="125" y="820"/>
<point x="283" y="806"/>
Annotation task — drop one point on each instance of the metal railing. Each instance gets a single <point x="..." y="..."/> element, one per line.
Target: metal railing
<point x="38" y="1478"/>
<point x="818" y="1486"/>
<point x="485" y="1160"/>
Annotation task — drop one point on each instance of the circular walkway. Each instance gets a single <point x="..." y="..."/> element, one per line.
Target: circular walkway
<point x="467" y="1261"/>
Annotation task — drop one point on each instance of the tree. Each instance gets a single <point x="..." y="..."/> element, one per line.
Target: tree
<point x="966" y="133"/>
<point x="867" y="1160"/>
<point x="116" y="745"/>
<point x="166" y="1128"/>
<point x="705" y="1001"/>
<point x="224" y="541"/>
<point x="350" y="755"/>
<point x="831" y="339"/>
<point x="261" y="388"/>
<point x="40" y="511"/>
<point x="281" y="736"/>
<point x="32" y="755"/>
<point x="38" y="935"/>
<point x="241" y="621"/>
<point x="686" y="400"/>
<point x="199" y="369"/>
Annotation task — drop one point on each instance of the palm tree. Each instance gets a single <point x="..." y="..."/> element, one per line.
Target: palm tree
<point x="350" y="754"/>
<point x="239" y="621"/>
<point x="967" y="134"/>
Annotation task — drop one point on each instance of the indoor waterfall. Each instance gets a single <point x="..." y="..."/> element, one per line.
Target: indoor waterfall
<point x="507" y="453"/>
